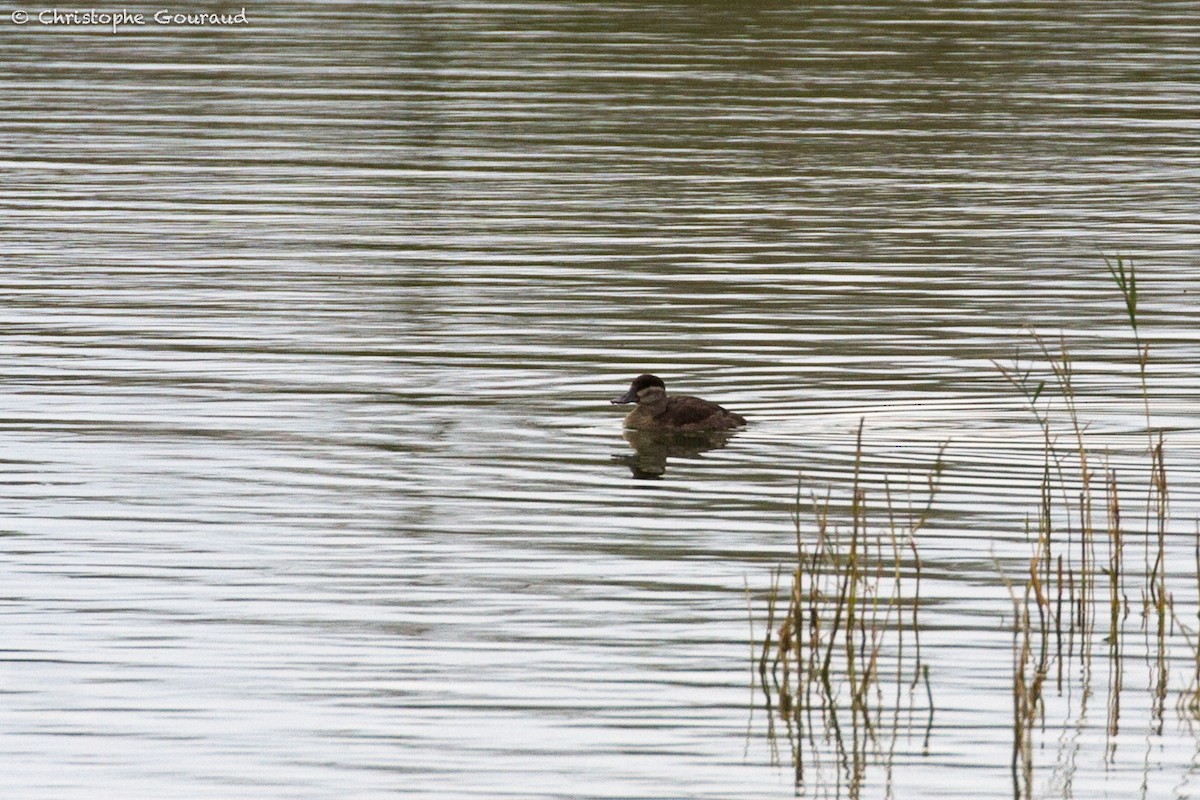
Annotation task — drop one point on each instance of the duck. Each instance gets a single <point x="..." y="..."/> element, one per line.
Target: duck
<point x="657" y="412"/>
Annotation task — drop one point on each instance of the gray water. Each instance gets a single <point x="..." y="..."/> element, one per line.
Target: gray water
<point x="309" y="328"/>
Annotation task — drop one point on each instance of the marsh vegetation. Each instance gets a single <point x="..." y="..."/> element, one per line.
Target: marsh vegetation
<point x="1097" y="610"/>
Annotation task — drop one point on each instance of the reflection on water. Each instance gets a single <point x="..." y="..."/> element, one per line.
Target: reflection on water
<point x="307" y="329"/>
<point x="651" y="449"/>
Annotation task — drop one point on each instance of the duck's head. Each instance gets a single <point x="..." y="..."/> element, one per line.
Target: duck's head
<point x="647" y="389"/>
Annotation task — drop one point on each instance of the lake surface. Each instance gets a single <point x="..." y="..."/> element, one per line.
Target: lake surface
<point x="312" y="487"/>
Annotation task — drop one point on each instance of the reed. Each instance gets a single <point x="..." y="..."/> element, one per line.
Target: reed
<point x="1084" y="530"/>
<point x="842" y="656"/>
<point x="844" y="663"/>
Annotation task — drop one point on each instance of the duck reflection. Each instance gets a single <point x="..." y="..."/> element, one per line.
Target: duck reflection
<point x="653" y="448"/>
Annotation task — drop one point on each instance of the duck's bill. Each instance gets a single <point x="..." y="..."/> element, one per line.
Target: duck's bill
<point x="625" y="399"/>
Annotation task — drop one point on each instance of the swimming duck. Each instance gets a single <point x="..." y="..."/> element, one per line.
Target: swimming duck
<point x="679" y="414"/>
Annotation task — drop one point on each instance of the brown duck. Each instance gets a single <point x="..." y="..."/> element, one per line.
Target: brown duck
<point x="678" y="414"/>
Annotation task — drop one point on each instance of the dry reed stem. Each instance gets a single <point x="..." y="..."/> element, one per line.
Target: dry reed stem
<point x="844" y="628"/>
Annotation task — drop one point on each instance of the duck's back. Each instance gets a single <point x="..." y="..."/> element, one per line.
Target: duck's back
<point x="684" y="413"/>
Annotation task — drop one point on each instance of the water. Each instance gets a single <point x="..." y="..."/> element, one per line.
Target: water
<point x="310" y="326"/>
